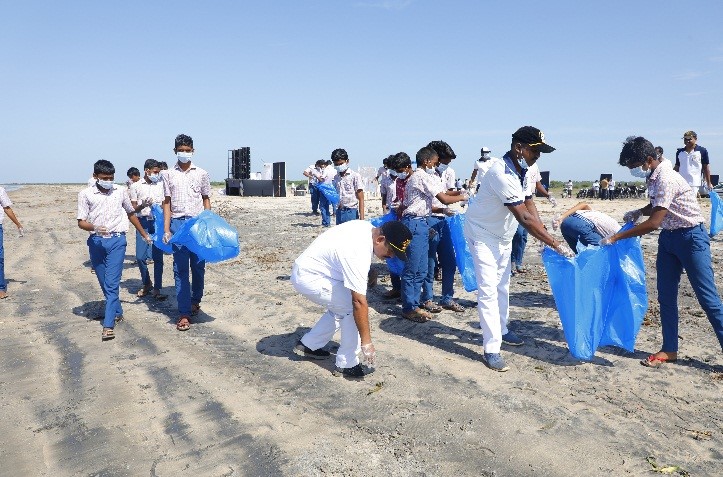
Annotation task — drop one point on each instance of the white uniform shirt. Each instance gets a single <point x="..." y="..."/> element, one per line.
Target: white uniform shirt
<point x="690" y="164"/>
<point x="488" y="217"/>
<point x="4" y="202"/>
<point x="342" y="253"/>
<point x="311" y="170"/>
<point x="482" y="168"/>
<point x="532" y="176"/>
<point x="347" y="185"/>
<point x="328" y="174"/>
<point x="142" y="190"/>
<point x="109" y="209"/>
<point x="186" y="190"/>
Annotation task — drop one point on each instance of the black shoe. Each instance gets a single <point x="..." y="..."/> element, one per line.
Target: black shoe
<point x="304" y="352"/>
<point x="353" y="372"/>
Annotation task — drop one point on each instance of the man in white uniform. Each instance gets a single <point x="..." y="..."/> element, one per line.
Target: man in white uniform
<point x="692" y="162"/>
<point x="333" y="273"/>
<point x="490" y="224"/>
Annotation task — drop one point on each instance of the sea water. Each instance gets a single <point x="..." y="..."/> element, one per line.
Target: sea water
<point x="11" y="187"/>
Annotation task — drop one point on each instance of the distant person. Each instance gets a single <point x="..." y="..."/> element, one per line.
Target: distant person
<point x="332" y="272"/>
<point x="604" y="188"/>
<point x="480" y="167"/>
<point x="659" y="150"/>
<point x="384" y="183"/>
<point x="6" y="204"/>
<point x="134" y="175"/>
<point x="313" y="181"/>
<point x="162" y="165"/>
<point x="692" y="162"/>
<point x="325" y="175"/>
<point x="683" y="244"/>
<point x="458" y="184"/>
<point x="611" y="189"/>
<point x="104" y="211"/>
<point x="348" y="183"/>
<point x="568" y="188"/>
<point x="596" y="188"/>
<point x="187" y="193"/>
<point x="144" y="194"/>
<point x="490" y="224"/>
<point x="582" y="224"/>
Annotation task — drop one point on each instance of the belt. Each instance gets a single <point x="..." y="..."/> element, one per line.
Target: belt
<point x="346" y="208"/>
<point x="414" y="217"/>
<point x="183" y="217"/>
<point x="109" y="235"/>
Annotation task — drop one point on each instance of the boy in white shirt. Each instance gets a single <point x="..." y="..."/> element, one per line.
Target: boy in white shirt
<point x="350" y="187"/>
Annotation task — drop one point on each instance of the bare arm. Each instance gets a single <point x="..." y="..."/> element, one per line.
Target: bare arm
<point x="360" y="198"/>
<point x="533" y="225"/>
<point x="653" y="223"/>
<point x="572" y="210"/>
<point x="206" y="202"/>
<point x="11" y="215"/>
<point x="706" y="174"/>
<point x="361" y="316"/>
<point x="167" y="215"/>
<point x="451" y="197"/>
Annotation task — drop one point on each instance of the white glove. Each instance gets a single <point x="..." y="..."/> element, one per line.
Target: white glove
<point x="632" y="216"/>
<point x="147" y="202"/>
<point x="564" y="249"/>
<point x="607" y="241"/>
<point x="148" y="239"/>
<point x="100" y="229"/>
<point x="21" y="232"/>
<point x="556" y="222"/>
<point x="370" y="354"/>
<point x="552" y="200"/>
<point x="167" y="237"/>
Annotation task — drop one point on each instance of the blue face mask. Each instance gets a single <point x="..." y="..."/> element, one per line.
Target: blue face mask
<point x="341" y="168"/>
<point x="523" y="164"/>
<point x="442" y="167"/>
<point x="107" y="185"/>
<point x="402" y="175"/>
<point x="639" y="173"/>
<point x="392" y="173"/>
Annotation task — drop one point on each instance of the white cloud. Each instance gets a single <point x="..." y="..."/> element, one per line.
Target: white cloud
<point x="386" y="4"/>
<point x="688" y="75"/>
<point x="695" y="93"/>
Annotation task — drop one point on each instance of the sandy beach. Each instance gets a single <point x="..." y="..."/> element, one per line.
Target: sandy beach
<point x="227" y="398"/>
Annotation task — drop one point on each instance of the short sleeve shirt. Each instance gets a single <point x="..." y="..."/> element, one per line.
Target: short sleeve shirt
<point x="419" y="191"/>
<point x="328" y="174"/>
<point x="186" y="190"/>
<point x="311" y="170"/>
<point x="670" y="190"/>
<point x="343" y="253"/>
<point x="347" y="186"/>
<point x="532" y="176"/>
<point x="143" y="190"/>
<point x="488" y="217"/>
<point x="109" y="209"/>
<point x="690" y="164"/>
<point x="4" y="202"/>
<point x="603" y="223"/>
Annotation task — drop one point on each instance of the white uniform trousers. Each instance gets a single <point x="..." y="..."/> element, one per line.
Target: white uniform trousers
<point x="492" y="271"/>
<point x="336" y="298"/>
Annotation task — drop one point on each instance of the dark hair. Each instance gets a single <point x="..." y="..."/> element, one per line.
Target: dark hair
<point x="635" y="151"/>
<point x="150" y="164"/>
<point x="425" y="154"/>
<point x="183" y="140"/>
<point x="339" y="155"/>
<point x="103" y="167"/>
<point x="400" y="160"/>
<point x="163" y="165"/>
<point x="659" y="150"/>
<point x="327" y="162"/>
<point x="133" y="171"/>
<point x="443" y="150"/>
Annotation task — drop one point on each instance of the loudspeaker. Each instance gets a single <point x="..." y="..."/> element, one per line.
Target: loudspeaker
<point x="714" y="179"/>
<point x="234" y="187"/>
<point x="258" y="188"/>
<point x="609" y="177"/>
<point x="545" y="182"/>
<point x="279" y="179"/>
<point x="240" y="163"/>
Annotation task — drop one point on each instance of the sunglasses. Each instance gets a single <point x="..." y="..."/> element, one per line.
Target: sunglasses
<point x="687" y="139"/>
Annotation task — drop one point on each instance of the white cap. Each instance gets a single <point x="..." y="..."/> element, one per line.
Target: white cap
<point x="486" y="149"/>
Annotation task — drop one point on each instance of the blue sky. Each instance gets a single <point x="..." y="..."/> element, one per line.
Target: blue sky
<point x="295" y="79"/>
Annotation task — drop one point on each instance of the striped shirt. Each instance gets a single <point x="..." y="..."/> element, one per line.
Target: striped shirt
<point x="670" y="190"/>
<point x="142" y="190"/>
<point x="109" y="209"/>
<point x="347" y="186"/>
<point x="421" y="188"/>
<point x="4" y="202"/>
<point x="186" y="190"/>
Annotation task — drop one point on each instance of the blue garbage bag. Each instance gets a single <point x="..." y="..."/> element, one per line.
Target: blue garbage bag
<point x="395" y="265"/>
<point x="600" y="295"/>
<point x="463" y="257"/>
<point x="716" y="213"/>
<point x="330" y="192"/>
<point x="207" y="235"/>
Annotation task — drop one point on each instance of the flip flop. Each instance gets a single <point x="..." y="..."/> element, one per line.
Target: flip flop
<point x="454" y="306"/>
<point x="107" y="334"/>
<point x="431" y="307"/>
<point x="653" y="361"/>
<point x="417" y="316"/>
<point x="183" y="324"/>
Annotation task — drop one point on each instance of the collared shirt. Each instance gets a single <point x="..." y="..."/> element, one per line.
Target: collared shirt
<point x="603" y="223"/>
<point x="487" y="216"/>
<point x="447" y="180"/>
<point x="4" y="202"/>
<point x="312" y="178"/>
<point x="186" y="190"/>
<point x="419" y="191"/>
<point x="670" y="190"/>
<point x="690" y="164"/>
<point x="142" y="190"/>
<point x="109" y="209"/>
<point x="347" y="186"/>
<point x="327" y="174"/>
<point x="530" y="179"/>
<point x="390" y="189"/>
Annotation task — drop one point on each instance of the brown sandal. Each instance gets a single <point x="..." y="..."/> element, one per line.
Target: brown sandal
<point x="431" y="307"/>
<point x="417" y="316"/>
<point x="144" y="291"/>
<point x="454" y="306"/>
<point x="107" y="335"/>
<point x="183" y="324"/>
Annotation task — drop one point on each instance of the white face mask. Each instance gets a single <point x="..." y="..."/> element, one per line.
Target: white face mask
<point x="402" y="175"/>
<point x="485" y="157"/>
<point x="184" y="157"/>
<point x="392" y="173"/>
<point x="107" y="185"/>
<point x="442" y="167"/>
<point x="639" y="173"/>
<point x="431" y="171"/>
<point x="154" y="178"/>
<point x="523" y="164"/>
<point x="341" y="168"/>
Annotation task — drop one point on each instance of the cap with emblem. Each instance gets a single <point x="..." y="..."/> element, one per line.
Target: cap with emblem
<point x="398" y="237"/>
<point x="532" y="137"/>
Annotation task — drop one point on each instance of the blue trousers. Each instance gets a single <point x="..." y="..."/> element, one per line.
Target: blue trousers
<point x="519" y="242"/>
<point x="345" y="215"/>
<point x="3" y="285"/>
<point x="440" y="243"/>
<point x="145" y="251"/>
<point x="324" y="208"/>
<point x="415" y="268"/>
<point x="687" y="249"/>
<point x="314" y="193"/>
<point x="106" y="256"/>
<point x="188" y="289"/>
<point x="576" y="229"/>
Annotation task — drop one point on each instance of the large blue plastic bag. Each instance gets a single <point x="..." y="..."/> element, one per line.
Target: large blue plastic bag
<point x="207" y="235"/>
<point x="329" y="192"/>
<point x="600" y="295"/>
<point x="396" y="266"/>
<point x="716" y="213"/>
<point x="463" y="257"/>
